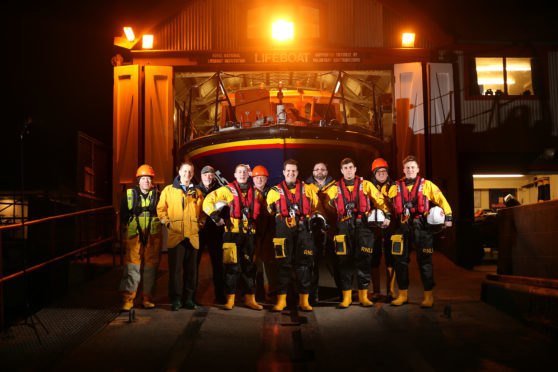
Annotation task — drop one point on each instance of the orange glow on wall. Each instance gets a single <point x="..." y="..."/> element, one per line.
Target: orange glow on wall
<point x="147" y="42"/>
<point x="408" y="40"/>
<point x="129" y="33"/>
<point x="282" y="30"/>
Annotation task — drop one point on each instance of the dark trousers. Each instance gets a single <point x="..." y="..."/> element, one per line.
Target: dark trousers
<point x="245" y="268"/>
<point x="323" y="250"/>
<point x="183" y="271"/>
<point x="213" y="240"/>
<point x="382" y="244"/>
<point x="354" y="254"/>
<point x="418" y="234"/>
<point x="296" y="252"/>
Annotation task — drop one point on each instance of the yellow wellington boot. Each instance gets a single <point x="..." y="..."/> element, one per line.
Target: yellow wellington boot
<point x="250" y="301"/>
<point x="127" y="301"/>
<point x="363" y="298"/>
<point x="401" y="299"/>
<point x="281" y="302"/>
<point x="148" y="302"/>
<point x="303" y="302"/>
<point x="347" y="299"/>
<point x="375" y="278"/>
<point x="428" y="299"/>
<point x="390" y="281"/>
<point x="230" y="302"/>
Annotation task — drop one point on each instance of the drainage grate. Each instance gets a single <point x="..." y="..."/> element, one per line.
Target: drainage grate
<point x="66" y="328"/>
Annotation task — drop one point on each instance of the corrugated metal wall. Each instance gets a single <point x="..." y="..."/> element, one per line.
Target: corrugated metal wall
<point x="214" y="25"/>
<point x="553" y="87"/>
<point x="191" y="29"/>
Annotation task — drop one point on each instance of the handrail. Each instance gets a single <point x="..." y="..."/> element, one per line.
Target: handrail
<point x="85" y="248"/>
<point x="60" y="216"/>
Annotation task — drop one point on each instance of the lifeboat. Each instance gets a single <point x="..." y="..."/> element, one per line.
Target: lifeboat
<point x="258" y="119"/>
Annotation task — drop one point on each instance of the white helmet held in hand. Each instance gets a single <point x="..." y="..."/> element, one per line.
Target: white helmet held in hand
<point x="436" y="216"/>
<point x="376" y="216"/>
<point x="220" y="205"/>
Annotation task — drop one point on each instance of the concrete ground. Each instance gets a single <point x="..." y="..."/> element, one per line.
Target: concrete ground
<point x="460" y="333"/>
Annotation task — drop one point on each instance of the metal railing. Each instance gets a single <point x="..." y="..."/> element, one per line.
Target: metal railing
<point x="90" y="231"/>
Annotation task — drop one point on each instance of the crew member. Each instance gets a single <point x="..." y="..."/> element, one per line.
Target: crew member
<point x="238" y="239"/>
<point x="180" y="210"/>
<point x="353" y="198"/>
<point x="211" y="236"/>
<point x="143" y="239"/>
<point x="322" y="233"/>
<point x="382" y="237"/>
<point x="292" y="203"/>
<point x="412" y="197"/>
<point x="265" y="231"/>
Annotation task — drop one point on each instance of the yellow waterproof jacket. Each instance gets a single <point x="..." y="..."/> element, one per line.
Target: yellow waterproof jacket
<point x="310" y="192"/>
<point x="181" y="212"/>
<point x="431" y="191"/>
<point x="325" y="207"/>
<point x="224" y="193"/>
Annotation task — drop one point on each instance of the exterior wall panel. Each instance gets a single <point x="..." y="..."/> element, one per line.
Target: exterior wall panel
<point x="553" y="88"/>
<point x="368" y="24"/>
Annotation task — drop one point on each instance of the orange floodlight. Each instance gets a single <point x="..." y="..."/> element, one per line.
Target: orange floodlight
<point x="408" y="40"/>
<point x="147" y="42"/>
<point x="129" y="34"/>
<point x="282" y="30"/>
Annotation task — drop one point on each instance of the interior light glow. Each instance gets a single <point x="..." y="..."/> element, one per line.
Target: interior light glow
<point x="498" y="175"/>
<point x="408" y="40"/>
<point x="282" y="30"/>
<point x="501" y="68"/>
<point x="494" y="81"/>
<point x="147" y="42"/>
<point x="129" y="34"/>
<point x="337" y="86"/>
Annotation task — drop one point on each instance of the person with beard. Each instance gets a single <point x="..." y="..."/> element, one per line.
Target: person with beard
<point x="412" y="197"/>
<point x="382" y="237"/>
<point x="238" y="239"/>
<point x="265" y="231"/>
<point x="180" y="210"/>
<point x="322" y="233"/>
<point x="353" y="198"/>
<point x="211" y="236"/>
<point x="293" y="203"/>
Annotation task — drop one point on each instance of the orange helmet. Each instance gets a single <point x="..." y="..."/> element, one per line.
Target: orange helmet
<point x="145" y="170"/>
<point x="379" y="163"/>
<point x="259" y="170"/>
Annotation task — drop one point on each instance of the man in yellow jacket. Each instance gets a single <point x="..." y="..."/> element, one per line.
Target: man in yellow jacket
<point x="412" y="197"/>
<point x="354" y="198"/>
<point x="293" y="204"/>
<point x="180" y="210"/>
<point x="143" y="239"/>
<point x="238" y="239"/>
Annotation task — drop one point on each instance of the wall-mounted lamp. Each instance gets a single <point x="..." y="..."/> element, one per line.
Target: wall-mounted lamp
<point x="282" y="30"/>
<point x="129" y="34"/>
<point x="147" y="42"/>
<point x="408" y="40"/>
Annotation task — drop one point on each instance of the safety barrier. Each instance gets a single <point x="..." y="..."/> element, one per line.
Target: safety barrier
<point x="91" y="230"/>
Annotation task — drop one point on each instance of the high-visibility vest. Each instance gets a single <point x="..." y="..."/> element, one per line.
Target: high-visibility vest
<point x="357" y="196"/>
<point x="287" y="199"/>
<point x="239" y="202"/>
<point x="419" y="201"/>
<point x="143" y="212"/>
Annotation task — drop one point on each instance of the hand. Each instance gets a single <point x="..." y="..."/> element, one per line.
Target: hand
<point x="385" y="224"/>
<point x="221" y="222"/>
<point x="447" y="224"/>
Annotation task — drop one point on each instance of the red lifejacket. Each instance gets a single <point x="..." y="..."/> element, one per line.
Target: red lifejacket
<point x="415" y="196"/>
<point x="286" y="199"/>
<point x="357" y="196"/>
<point x="239" y="202"/>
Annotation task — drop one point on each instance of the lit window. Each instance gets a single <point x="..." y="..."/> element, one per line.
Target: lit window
<point x="510" y="76"/>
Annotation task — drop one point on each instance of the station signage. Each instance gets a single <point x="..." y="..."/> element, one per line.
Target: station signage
<point x="281" y="57"/>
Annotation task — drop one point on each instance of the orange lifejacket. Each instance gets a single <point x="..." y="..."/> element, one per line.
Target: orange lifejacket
<point x="361" y="203"/>
<point x="287" y="199"/>
<point x="240" y="202"/>
<point x="415" y="200"/>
